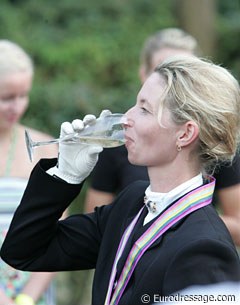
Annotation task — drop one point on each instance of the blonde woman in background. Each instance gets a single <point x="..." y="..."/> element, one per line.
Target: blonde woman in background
<point x="16" y="75"/>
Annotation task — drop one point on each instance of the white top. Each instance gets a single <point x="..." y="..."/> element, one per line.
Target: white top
<point x="12" y="280"/>
<point x="163" y="200"/>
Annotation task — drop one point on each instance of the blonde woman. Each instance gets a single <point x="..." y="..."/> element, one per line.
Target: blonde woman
<point x="157" y="237"/>
<point x="16" y="75"/>
<point x="113" y="172"/>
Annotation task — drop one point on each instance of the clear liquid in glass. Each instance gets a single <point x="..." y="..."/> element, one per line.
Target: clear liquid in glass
<point x="107" y="131"/>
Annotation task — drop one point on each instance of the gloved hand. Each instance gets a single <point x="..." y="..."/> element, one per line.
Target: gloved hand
<point x="76" y="160"/>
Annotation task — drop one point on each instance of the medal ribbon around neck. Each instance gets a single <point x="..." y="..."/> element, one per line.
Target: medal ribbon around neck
<point x="191" y="202"/>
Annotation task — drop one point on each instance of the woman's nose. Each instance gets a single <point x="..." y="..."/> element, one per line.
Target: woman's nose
<point x="15" y="104"/>
<point x="129" y="120"/>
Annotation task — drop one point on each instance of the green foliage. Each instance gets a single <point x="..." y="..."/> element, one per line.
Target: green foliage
<point x="228" y="35"/>
<point x="86" y="53"/>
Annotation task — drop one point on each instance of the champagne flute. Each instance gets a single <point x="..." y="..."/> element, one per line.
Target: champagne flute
<point x="107" y="131"/>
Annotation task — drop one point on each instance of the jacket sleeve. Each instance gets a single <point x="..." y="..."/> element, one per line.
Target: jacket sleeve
<point x="38" y="241"/>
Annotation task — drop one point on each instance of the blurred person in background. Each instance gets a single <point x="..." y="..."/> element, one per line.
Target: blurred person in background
<point x="113" y="171"/>
<point x="16" y="75"/>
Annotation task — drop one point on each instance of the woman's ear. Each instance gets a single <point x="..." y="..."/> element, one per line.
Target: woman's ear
<point x="187" y="134"/>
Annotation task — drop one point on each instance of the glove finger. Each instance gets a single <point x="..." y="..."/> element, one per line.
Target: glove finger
<point x="66" y="128"/>
<point x="77" y="125"/>
<point x="89" y="119"/>
<point x="104" y="113"/>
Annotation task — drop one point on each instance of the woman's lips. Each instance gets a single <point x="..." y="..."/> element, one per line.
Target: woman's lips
<point x="128" y="140"/>
<point x="12" y="118"/>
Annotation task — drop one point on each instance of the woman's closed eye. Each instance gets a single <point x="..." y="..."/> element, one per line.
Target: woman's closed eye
<point x="144" y="110"/>
<point x="145" y="107"/>
<point x="11" y="98"/>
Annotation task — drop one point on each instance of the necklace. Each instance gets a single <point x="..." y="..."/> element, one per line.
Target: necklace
<point x="11" y="152"/>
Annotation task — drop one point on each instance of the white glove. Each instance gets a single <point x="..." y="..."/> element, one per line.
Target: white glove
<point x="76" y="160"/>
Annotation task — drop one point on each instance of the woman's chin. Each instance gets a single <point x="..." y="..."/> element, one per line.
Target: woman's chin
<point x="134" y="161"/>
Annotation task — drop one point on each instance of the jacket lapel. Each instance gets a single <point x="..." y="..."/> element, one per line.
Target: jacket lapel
<point x="136" y="205"/>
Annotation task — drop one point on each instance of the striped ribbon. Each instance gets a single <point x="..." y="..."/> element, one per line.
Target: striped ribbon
<point x="193" y="201"/>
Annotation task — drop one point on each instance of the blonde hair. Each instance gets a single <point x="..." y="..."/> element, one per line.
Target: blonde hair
<point x="200" y="91"/>
<point x="14" y="59"/>
<point x="172" y="38"/>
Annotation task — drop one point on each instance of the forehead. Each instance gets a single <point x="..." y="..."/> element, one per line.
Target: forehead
<point x="152" y="89"/>
<point x="160" y="55"/>
<point x="155" y="82"/>
<point x="13" y="77"/>
<point x="21" y="81"/>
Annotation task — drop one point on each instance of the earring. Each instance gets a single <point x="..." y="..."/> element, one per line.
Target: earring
<point x="179" y="148"/>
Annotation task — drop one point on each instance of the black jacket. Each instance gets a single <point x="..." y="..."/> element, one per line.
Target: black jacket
<point x="196" y="250"/>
